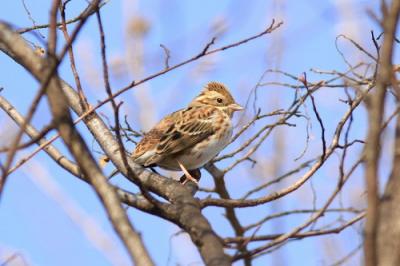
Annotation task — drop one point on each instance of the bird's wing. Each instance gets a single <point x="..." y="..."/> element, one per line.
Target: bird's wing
<point x="148" y="144"/>
<point x="189" y="127"/>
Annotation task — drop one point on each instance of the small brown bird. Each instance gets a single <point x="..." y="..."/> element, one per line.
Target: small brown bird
<point x="189" y="138"/>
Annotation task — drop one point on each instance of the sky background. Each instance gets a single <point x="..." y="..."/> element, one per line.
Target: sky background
<point x="51" y="218"/>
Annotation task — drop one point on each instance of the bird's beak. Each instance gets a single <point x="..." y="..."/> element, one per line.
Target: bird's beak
<point x="236" y="107"/>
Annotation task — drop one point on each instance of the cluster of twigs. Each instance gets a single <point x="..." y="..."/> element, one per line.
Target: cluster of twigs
<point x="179" y="204"/>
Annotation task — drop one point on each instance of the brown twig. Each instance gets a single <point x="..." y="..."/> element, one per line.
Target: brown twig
<point x="64" y="29"/>
<point x="13" y="257"/>
<point x="30" y="17"/>
<point x="167" y="53"/>
<point x="87" y="12"/>
<point x="299" y="211"/>
<point x="278" y="179"/>
<point x="359" y="47"/>
<point x="34" y="140"/>
<point x="323" y="140"/>
<point x="297" y="235"/>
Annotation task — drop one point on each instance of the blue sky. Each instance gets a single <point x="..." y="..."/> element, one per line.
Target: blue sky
<point x="47" y="232"/>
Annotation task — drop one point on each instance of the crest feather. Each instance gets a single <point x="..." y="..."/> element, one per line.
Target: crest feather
<point x="220" y="88"/>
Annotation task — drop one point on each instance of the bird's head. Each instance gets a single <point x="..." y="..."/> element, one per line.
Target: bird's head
<point x="217" y="94"/>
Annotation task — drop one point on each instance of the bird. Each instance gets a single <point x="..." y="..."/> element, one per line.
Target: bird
<point x="189" y="138"/>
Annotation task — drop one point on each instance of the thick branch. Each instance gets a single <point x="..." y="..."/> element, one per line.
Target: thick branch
<point x="126" y="197"/>
<point x="388" y="232"/>
<point x="17" y="46"/>
<point x="372" y="147"/>
<point x="222" y="191"/>
<point x="185" y="212"/>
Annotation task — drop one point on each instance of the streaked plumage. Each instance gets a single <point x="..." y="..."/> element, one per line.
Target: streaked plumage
<point x="191" y="136"/>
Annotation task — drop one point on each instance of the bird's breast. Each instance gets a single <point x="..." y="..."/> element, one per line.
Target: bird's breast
<point x="201" y="153"/>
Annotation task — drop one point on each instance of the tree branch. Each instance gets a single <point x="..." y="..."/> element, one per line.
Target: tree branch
<point x="185" y="210"/>
<point x="373" y="145"/>
<point x="318" y="163"/>
<point x="133" y="200"/>
<point x="13" y="42"/>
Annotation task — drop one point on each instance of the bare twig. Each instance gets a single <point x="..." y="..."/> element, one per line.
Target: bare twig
<point x="208" y="45"/>
<point x="284" y="237"/>
<point x="347" y="257"/>
<point x="278" y="179"/>
<point x="64" y="29"/>
<point x="323" y="140"/>
<point x="359" y="47"/>
<point x="87" y="12"/>
<point x="297" y="235"/>
<point x="13" y="257"/>
<point x="34" y="140"/>
<point x="31" y="18"/>
<point x="167" y="55"/>
<point x="299" y="211"/>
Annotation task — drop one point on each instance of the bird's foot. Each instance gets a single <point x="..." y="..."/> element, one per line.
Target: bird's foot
<point x="189" y="175"/>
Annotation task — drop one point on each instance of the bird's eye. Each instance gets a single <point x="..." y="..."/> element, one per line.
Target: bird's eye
<point x="219" y="100"/>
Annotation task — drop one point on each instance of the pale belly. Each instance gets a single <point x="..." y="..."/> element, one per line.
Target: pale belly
<point x="199" y="154"/>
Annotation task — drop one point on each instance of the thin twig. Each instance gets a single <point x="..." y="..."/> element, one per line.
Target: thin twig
<point x="87" y="12"/>
<point x="167" y="55"/>
<point x="317" y="114"/>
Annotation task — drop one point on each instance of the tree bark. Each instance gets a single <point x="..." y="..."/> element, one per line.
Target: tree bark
<point x="389" y="226"/>
<point x="373" y="145"/>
